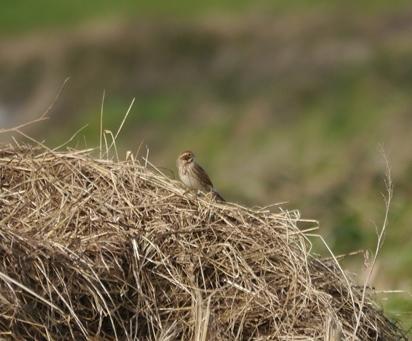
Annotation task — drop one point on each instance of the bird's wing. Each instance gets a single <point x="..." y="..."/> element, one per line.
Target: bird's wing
<point x="203" y="177"/>
<point x="217" y="196"/>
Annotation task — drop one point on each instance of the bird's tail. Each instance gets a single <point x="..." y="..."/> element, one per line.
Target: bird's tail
<point x="217" y="196"/>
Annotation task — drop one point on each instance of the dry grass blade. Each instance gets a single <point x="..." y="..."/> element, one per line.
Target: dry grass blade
<point x="41" y="118"/>
<point x="107" y="250"/>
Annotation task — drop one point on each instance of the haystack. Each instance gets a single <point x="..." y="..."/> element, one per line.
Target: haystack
<point x="96" y="249"/>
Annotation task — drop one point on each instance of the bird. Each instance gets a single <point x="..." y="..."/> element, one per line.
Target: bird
<point x="193" y="176"/>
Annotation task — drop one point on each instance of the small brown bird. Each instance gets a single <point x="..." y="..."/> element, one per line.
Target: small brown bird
<point x="194" y="176"/>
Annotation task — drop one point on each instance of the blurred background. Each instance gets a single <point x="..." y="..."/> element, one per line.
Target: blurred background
<point x="282" y="102"/>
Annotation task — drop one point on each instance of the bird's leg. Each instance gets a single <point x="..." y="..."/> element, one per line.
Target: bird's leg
<point x="209" y="195"/>
<point x="190" y="191"/>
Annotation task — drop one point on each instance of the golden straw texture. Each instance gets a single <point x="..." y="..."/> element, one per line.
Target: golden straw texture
<point x="103" y="250"/>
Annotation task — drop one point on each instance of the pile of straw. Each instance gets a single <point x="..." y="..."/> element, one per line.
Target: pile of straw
<point x="104" y="250"/>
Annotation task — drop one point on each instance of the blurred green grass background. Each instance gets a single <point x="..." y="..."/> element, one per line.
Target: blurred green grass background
<point x="23" y="16"/>
<point x="282" y="101"/>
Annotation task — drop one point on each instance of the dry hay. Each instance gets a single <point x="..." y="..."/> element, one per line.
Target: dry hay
<point x="103" y="250"/>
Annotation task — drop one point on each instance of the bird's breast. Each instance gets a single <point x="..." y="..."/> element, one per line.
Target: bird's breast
<point x="186" y="175"/>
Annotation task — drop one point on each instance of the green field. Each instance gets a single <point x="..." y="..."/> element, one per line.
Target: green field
<point x="23" y="16"/>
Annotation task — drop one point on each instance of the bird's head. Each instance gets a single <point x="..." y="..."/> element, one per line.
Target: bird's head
<point x="186" y="157"/>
